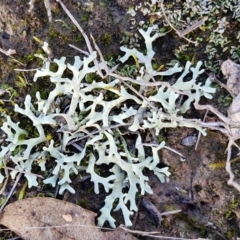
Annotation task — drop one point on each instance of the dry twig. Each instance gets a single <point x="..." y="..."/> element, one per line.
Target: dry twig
<point x="154" y="234"/>
<point x="181" y="33"/>
<point x="11" y="192"/>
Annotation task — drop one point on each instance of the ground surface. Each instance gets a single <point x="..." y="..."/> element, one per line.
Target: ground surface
<point x="210" y="208"/>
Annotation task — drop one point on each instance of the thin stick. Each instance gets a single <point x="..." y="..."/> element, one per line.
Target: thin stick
<point x="175" y="151"/>
<point x="193" y="27"/>
<point x="9" y="52"/>
<point x="117" y="76"/>
<point x="48" y="8"/>
<point x="78" y="49"/>
<point x="98" y="131"/>
<point x="199" y="133"/>
<point x="170" y="212"/>
<point x="7" y="157"/>
<point x="214" y="79"/>
<point x="5" y="181"/>
<point x="26" y="70"/>
<point x="169" y="148"/>
<point x="136" y="215"/>
<point x="186" y="31"/>
<point x="153" y="234"/>
<point x="226" y="120"/>
<point x="24" y="172"/>
<point x="89" y="46"/>
<point x="228" y="168"/>
<point x="11" y="192"/>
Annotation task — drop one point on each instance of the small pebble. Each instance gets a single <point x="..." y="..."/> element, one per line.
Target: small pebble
<point x="189" y="140"/>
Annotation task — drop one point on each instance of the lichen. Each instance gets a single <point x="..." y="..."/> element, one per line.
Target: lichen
<point x="98" y="126"/>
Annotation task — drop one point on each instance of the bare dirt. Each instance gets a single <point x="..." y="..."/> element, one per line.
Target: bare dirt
<point x="209" y="207"/>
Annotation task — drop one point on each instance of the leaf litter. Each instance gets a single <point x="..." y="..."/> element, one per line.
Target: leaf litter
<point x="49" y="218"/>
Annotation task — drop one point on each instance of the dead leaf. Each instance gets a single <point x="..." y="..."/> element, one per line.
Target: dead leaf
<point x="45" y="218"/>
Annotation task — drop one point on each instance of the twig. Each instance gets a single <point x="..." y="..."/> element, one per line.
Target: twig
<point x="136" y="215"/>
<point x="169" y="148"/>
<point x="213" y="78"/>
<point x="110" y="73"/>
<point x="187" y="30"/>
<point x="26" y="70"/>
<point x="70" y="226"/>
<point x="78" y="49"/>
<point x="98" y="131"/>
<point x="31" y="3"/>
<point x="5" y="181"/>
<point x="228" y="168"/>
<point x="226" y="120"/>
<point x="171" y="212"/>
<point x="193" y="27"/>
<point x="199" y="133"/>
<point x="24" y="172"/>
<point x="11" y="192"/>
<point x="7" y="156"/>
<point x="173" y="150"/>
<point x="148" y="84"/>
<point x="9" y="52"/>
<point x="89" y="46"/>
<point x="48" y="8"/>
<point x="153" y="234"/>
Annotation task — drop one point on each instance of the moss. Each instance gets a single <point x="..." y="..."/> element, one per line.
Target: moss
<point x="192" y="222"/>
<point x="234" y="204"/>
<point x="20" y="82"/>
<point x="230" y="234"/>
<point x="90" y="77"/>
<point x="107" y="38"/>
<point x="83" y="202"/>
<point x="53" y="34"/>
<point x="84" y="17"/>
<point x="228" y="215"/>
<point x="21" y="137"/>
<point x="160" y="138"/>
<point x="30" y="57"/>
<point x="42" y="86"/>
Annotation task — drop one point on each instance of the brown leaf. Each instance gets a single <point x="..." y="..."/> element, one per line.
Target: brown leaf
<point x="45" y="218"/>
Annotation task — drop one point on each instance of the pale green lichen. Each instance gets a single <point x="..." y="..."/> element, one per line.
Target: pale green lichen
<point x="101" y="132"/>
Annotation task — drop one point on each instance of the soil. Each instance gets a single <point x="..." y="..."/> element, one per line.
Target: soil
<point x="198" y="185"/>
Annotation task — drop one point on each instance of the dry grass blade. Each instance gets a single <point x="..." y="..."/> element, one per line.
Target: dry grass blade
<point x="156" y="236"/>
<point x="11" y="192"/>
<point x="89" y="46"/>
<point x="199" y="133"/>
